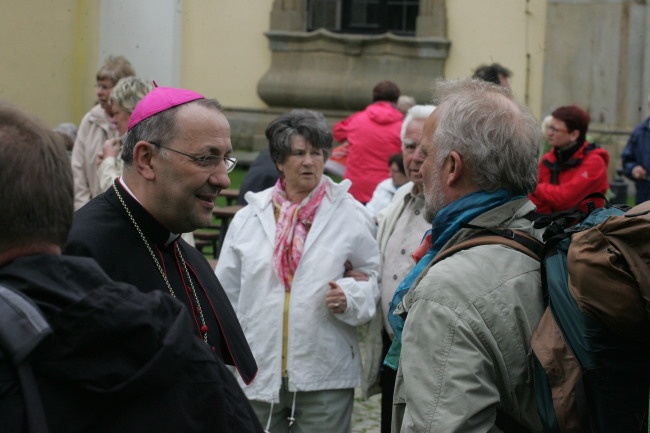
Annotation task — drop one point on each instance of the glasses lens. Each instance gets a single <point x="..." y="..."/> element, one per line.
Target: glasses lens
<point x="230" y="164"/>
<point x="212" y="162"/>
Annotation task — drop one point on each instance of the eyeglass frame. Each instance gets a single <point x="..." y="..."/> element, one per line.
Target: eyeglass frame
<point x="229" y="160"/>
<point x="103" y="86"/>
<point x="554" y="129"/>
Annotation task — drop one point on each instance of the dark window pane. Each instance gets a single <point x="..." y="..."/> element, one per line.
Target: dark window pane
<point x="323" y="13"/>
<point x="401" y="16"/>
<point x="364" y="16"/>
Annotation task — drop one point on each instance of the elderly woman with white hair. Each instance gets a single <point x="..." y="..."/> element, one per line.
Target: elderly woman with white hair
<point x="283" y="266"/>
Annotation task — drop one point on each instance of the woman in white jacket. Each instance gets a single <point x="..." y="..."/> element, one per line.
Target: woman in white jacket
<point x="283" y="266"/>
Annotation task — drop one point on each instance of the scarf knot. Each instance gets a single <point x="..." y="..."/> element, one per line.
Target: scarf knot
<point x="445" y="225"/>
<point x="294" y="221"/>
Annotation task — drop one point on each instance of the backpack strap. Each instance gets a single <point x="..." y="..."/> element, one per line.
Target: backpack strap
<point x="515" y="239"/>
<point x="22" y="329"/>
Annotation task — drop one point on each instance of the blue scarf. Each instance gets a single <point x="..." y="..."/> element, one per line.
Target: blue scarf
<point x="445" y="225"/>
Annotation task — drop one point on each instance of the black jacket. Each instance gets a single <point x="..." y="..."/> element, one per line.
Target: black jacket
<point x="118" y="360"/>
<point x="102" y="230"/>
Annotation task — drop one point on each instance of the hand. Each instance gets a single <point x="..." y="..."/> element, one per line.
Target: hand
<point x="335" y="299"/>
<point x="351" y="273"/>
<point x="639" y="172"/>
<point x="111" y="148"/>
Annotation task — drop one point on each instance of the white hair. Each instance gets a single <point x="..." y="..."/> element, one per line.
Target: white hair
<point x="414" y="113"/>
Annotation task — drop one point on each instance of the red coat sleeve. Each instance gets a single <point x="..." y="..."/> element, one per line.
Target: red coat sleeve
<point x="341" y="129"/>
<point x="575" y="184"/>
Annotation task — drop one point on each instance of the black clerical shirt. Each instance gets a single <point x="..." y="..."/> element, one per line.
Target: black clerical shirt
<point x="103" y="230"/>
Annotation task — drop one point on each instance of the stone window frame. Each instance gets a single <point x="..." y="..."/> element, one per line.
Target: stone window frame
<point x="327" y="70"/>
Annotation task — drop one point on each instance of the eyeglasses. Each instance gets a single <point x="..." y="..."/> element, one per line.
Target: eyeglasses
<point x="554" y="129"/>
<point x="207" y="162"/>
<point x="103" y="86"/>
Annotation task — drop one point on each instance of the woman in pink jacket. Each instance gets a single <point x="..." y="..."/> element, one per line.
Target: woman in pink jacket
<point x="373" y="136"/>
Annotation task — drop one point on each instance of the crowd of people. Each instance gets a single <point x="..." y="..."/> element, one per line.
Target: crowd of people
<point x="137" y="332"/>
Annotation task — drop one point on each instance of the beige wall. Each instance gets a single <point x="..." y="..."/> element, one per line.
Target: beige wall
<point x="50" y="51"/>
<point x="509" y="32"/>
<point x="49" y="57"/>
<point x="225" y="52"/>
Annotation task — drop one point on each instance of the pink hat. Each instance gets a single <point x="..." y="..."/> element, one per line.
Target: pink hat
<point x="159" y="100"/>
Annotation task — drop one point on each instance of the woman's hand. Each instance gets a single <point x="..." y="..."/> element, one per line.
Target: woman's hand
<point x="335" y="299"/>
<point x="351" y="273"/>
<point x="111" y="147"/>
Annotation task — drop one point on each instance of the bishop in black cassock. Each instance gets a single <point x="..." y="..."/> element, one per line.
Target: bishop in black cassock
<point x="103" y="230"/>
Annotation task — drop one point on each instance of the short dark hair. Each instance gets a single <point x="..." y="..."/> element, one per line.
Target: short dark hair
<point x="575" y="118"/>
<point x="490" y="73"/>
<point x="386" y="91"/>
<point x="35" y="182"/>
<point x="398" y="159"/>
<point x="311" y="125"/>
<point x="160" y="128"/>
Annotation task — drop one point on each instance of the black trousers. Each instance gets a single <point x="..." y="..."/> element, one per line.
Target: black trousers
<point x="387" y="378"/>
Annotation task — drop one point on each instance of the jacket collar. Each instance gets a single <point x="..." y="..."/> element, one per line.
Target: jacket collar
<point x="261" y="203"/>
<point x="333" y="191"/>
<point x="505" y="215"/>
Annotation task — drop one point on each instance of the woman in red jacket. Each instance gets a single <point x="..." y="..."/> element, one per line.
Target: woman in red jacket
<point x="373" y="135"/>
<point x="573" y="168"/>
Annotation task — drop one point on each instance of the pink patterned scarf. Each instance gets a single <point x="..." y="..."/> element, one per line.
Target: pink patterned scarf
<point x="291" y="229"/>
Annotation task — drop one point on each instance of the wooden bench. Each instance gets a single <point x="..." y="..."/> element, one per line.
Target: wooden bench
<point x="230" y="194"/>
<point x="208" y="237"/>
<point x="224" y="214"/>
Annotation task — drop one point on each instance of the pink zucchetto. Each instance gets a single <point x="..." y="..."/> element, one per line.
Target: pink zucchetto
<point x="159" y="100"/>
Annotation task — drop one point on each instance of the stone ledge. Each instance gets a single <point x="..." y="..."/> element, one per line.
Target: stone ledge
<point x="326" y="70"/>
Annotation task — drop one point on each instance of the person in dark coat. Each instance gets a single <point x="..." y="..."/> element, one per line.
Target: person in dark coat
<point x="104" y="356"/>
<point x="262" y="174"/>
<point x="636" y="159"/>
<point x="176" y="157"/>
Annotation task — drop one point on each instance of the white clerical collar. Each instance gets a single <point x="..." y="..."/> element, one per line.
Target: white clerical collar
<point x="172" y="236"/>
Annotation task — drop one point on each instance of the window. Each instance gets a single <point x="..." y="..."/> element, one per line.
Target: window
<point x="363" y="16"/>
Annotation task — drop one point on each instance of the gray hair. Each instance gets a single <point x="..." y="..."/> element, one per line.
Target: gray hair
<point x="414" y="113"/>
<point x="160" y="128"/>
<point x="497" y="137"/>
<point x="128" y="92"/>
<point x="311" y="125"/>
<point x="404" y="103"/>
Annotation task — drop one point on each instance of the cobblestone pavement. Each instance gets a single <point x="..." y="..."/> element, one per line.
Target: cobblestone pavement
<point x="366" y="415"/>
